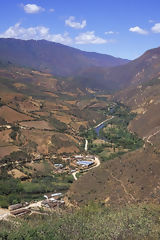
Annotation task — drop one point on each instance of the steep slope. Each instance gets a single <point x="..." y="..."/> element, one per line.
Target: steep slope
<point x="53" y="57"/>
<point x="144" y="100"/>
<point x="132" y="178"/>
<point x="135" y="72"/>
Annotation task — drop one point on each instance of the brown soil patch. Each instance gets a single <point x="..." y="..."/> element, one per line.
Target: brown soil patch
<point x="76" y="125"/>
<point x="151" y="118"/>
<point x="42" y="167"/>
<point x="72" y="102"/>
<point x="7" y="150"/>
<point x="71" y="149"/>
<point x="43" y="114"/>
<point x="98" y="141"/>
<point x="41" y="138"/>
<point x="66" y="118"/>
<point x="4" y="137"/>
<point x="36" y="124"/>
<point x="9" y="96"/>
<point x="20" y="86"/>
<point x="70" y="94"/>
<point x="51" y="94"/>
<point x="28" y="106"/>
<point x="17" y="174"/>
<point x="11" y="115"/>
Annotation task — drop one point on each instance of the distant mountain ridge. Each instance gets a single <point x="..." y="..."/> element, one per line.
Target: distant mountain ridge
<point x="133" y="73"/>
<point x="52" y="57"/>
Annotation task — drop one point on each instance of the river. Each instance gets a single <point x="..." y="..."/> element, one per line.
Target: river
<point x="101" y="125"/>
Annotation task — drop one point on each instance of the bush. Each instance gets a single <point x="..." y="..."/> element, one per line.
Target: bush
<point x="92" y="222"/>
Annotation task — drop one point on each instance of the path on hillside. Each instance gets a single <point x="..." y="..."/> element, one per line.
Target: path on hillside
<point x="150" y="136"/>
<point x="4" y="213"/>
<point x="74" y="175"/>
<point x="86" y="145"/>
<point x="123" y="186"/>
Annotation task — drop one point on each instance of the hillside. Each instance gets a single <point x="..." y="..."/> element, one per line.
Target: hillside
<point x="144" y="101"/>
<point x="42" y="118"/>
<point x="51" y="57"/>
<point x="133" y="176"/>
<point x="133" y="73"/>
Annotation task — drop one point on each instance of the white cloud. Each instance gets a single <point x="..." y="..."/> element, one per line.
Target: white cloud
<point x="110" y="32"/>
<point x="42" y="32"/>
<point x="32" y="8"/>
<point x="60" y="38"/>
<point x="89" y="38"/>
<point x="51" y="10"/>
<point x="138" y="30"/>
<point x="151" y="21"/>
<point x="156" y="28"/>
<point x="71" y="23"/>
<point x="37" y="33"/>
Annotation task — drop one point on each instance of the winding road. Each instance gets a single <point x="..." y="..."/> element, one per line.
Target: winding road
<point x="150" y="136"/>
<point x="97" y="163"/>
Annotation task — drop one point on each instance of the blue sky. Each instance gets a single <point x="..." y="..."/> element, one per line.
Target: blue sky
<point x="122" y="28"/>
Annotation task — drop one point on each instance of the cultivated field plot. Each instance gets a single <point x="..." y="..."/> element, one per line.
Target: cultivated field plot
<point x="11" y="115"/>
<point x="7" y="150"/>
<point x="28" y="106"/>
<point x="64" y="118"/>
<point x="41" y="138"/>
<point x="37" y="124"/>
<point x="4" y="137"/>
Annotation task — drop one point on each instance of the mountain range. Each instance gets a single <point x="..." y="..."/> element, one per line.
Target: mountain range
<point x="52" y="57"/>
<point x="83" y="69"/>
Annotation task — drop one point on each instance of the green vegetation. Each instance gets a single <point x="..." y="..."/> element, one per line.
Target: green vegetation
<point x="93" y="222"/>
<point x="13" y="190"/>
<point x="14" y="132"/>
<point x="116" y="137"/>
<point x="152" y="82"/>
<point x="2" y="121"/>
<point x="58" y="125"/>
<point x="19" y="156"/>
<point x="10" y="190"/>
<point x="120" y="136"/>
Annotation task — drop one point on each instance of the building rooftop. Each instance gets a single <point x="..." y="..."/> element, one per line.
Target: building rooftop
<point x="85" y="163"/>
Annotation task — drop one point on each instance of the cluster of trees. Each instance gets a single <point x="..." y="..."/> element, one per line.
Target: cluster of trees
<point x="13" y="190"/>
<point x="122" y="137"/>
<point x="13" y="134"/>
<point x="58" y="125"/>
<point x="18" y="156"/>
<point x="10" y="190"/>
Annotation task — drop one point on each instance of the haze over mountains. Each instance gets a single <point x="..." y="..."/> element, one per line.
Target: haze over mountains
<point x="54" y="58"/>
<point x="135" y="72"/>
<point x="84" y="69"/>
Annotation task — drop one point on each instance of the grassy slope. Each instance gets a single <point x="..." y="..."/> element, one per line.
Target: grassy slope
<point x="92" y="222"/>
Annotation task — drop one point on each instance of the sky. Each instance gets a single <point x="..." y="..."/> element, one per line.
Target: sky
<point x="121" y="28"/>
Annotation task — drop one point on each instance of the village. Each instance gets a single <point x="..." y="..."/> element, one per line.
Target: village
<point x="56" y="200"/>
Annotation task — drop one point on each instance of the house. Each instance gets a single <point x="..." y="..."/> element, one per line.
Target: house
<point x="58" y="165"/>
<point x="20" y="212"/>
<point x="56" y="195"/>
<point x="78" y="156"/>
<point x="17" y="206"/>
<point x="85" y="163"/>
<point x="52" y="204"/>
